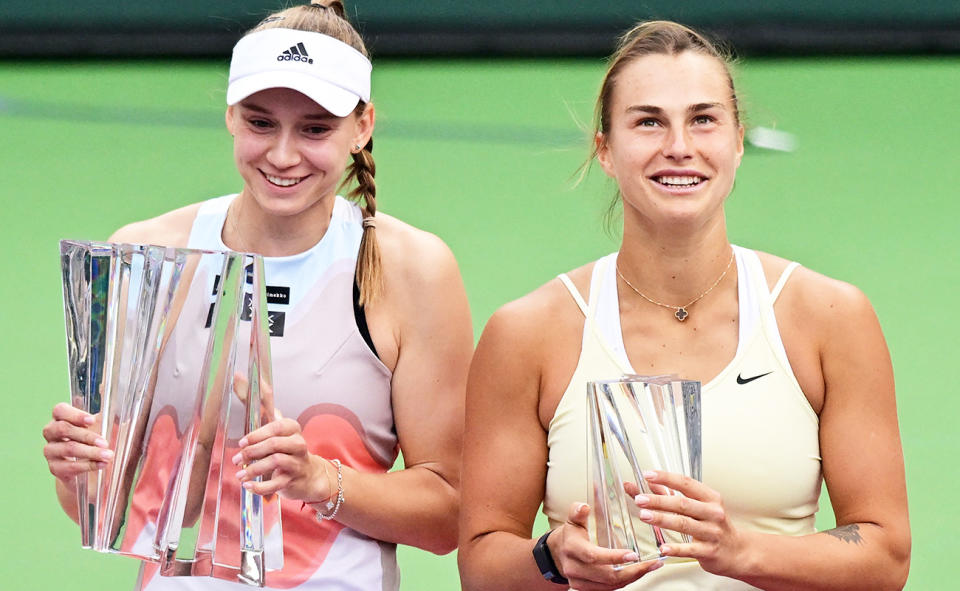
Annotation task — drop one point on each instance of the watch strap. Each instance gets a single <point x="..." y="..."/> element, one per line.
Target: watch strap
<point x="548" y="568"/>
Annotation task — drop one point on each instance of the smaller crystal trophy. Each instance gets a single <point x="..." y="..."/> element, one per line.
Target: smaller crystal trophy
<point x="169" y="349"/>
<point x="638" y="423"/>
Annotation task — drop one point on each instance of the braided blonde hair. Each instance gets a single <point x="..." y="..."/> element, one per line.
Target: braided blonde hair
<point x="328" y="17"/>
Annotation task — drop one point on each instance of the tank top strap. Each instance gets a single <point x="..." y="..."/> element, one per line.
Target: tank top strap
<point x="207" y="229"/>
<point x="605" y="304"/>
<point x="574" y="292"/>
<point x="775" y="292"/>
<point x="597" y="280"/>
<point x="748" y="293"/>
<point x="753" y="278"/>
<point x="599" y="284"/>
<point x="764" y="299"/>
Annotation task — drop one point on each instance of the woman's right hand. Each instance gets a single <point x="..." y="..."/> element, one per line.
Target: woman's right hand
<point x="589" y="567"/>
<point x="72" y="447"/>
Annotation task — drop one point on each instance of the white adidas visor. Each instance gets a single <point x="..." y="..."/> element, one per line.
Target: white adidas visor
<point x="330" y="72"/>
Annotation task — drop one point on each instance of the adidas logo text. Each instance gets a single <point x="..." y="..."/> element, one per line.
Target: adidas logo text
<point x="296" y="53"/>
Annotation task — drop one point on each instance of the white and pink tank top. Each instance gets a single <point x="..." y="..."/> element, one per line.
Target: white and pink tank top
<point x="326" y="375"/>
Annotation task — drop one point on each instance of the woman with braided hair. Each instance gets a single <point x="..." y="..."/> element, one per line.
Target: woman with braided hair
<point x="371" y="338"/>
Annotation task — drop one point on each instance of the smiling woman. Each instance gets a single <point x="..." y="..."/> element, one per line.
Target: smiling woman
<point x="794" y="367"/>
<point x="371" y="358"/>
<point x="290" y="152"/>
<point x="664" y="108"/>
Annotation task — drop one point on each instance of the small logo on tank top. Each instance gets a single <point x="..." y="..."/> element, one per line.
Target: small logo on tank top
<point x="276" y="320"/>
<point x="742" y="380"/>
<point x="278" y="294"/>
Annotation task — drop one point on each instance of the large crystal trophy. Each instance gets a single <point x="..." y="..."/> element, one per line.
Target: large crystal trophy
<point x="638" y="423"/>
<point x="169" y="349"/>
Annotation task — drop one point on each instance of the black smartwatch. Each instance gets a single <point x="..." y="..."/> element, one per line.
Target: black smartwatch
<point x="548" y="568"/>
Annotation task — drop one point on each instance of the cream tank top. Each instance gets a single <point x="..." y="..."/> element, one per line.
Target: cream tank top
<point x="328" y="378"/>
<point x="761" y="448"/>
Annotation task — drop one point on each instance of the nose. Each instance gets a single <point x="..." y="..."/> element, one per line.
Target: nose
<point x="677" y="144"/>
<point x="284" y="152"/>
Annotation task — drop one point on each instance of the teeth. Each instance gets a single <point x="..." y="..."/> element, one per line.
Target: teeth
<point x="283" y="182"/>
<point x="679" y="181"/>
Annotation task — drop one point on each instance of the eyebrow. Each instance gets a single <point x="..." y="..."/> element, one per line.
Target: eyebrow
<point x="658" y="111"/>
<point x="312" y="116"/>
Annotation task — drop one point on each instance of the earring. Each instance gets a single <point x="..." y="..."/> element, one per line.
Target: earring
<point x="356" y="148"/>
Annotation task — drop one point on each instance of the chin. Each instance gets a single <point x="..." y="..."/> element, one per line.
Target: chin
<point x="296" y="204"/>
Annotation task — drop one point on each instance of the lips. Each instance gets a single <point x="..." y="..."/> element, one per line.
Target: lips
<point x="282" y="181"/>
<point x="679" y="181"/>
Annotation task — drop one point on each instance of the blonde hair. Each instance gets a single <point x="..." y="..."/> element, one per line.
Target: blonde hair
<point x="656" y="38"/>
<point x="329" y="18"/>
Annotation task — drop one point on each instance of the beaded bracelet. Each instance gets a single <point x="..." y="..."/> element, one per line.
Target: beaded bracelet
<point x="335" y="506"/>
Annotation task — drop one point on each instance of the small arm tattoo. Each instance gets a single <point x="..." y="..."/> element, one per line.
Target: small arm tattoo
<point x="847" y="533"/>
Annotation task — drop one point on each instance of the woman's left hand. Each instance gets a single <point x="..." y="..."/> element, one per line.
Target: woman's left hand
<point x="278" y="453"/>
<point x="697" y="511"/>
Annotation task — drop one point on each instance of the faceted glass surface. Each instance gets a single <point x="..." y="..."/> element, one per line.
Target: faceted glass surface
<point x="169" y="348"/>
<point x="638" y="423"/>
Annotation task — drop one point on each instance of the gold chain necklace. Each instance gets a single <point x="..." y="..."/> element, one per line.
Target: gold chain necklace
<point x="679" y="311"/>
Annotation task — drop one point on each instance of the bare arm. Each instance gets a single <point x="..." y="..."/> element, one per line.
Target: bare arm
<point x="503" y="437"/>
<point x="505" y="462"/>
<point x="862" y="459"/>
<point x="422" y="501"/>
<point x="862" y="465"/>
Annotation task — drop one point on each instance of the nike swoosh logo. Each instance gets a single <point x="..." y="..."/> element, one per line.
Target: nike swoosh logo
<point x="741" y="380"/>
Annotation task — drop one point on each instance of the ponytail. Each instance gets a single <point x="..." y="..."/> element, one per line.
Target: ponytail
<point x="369" y="272"/>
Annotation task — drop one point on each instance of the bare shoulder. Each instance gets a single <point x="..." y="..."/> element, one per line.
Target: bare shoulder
<point x="169" y="229"/>
<point x="411" y="256"/>
<point x="543" y="321"/>
<point x="827" y="304"/>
